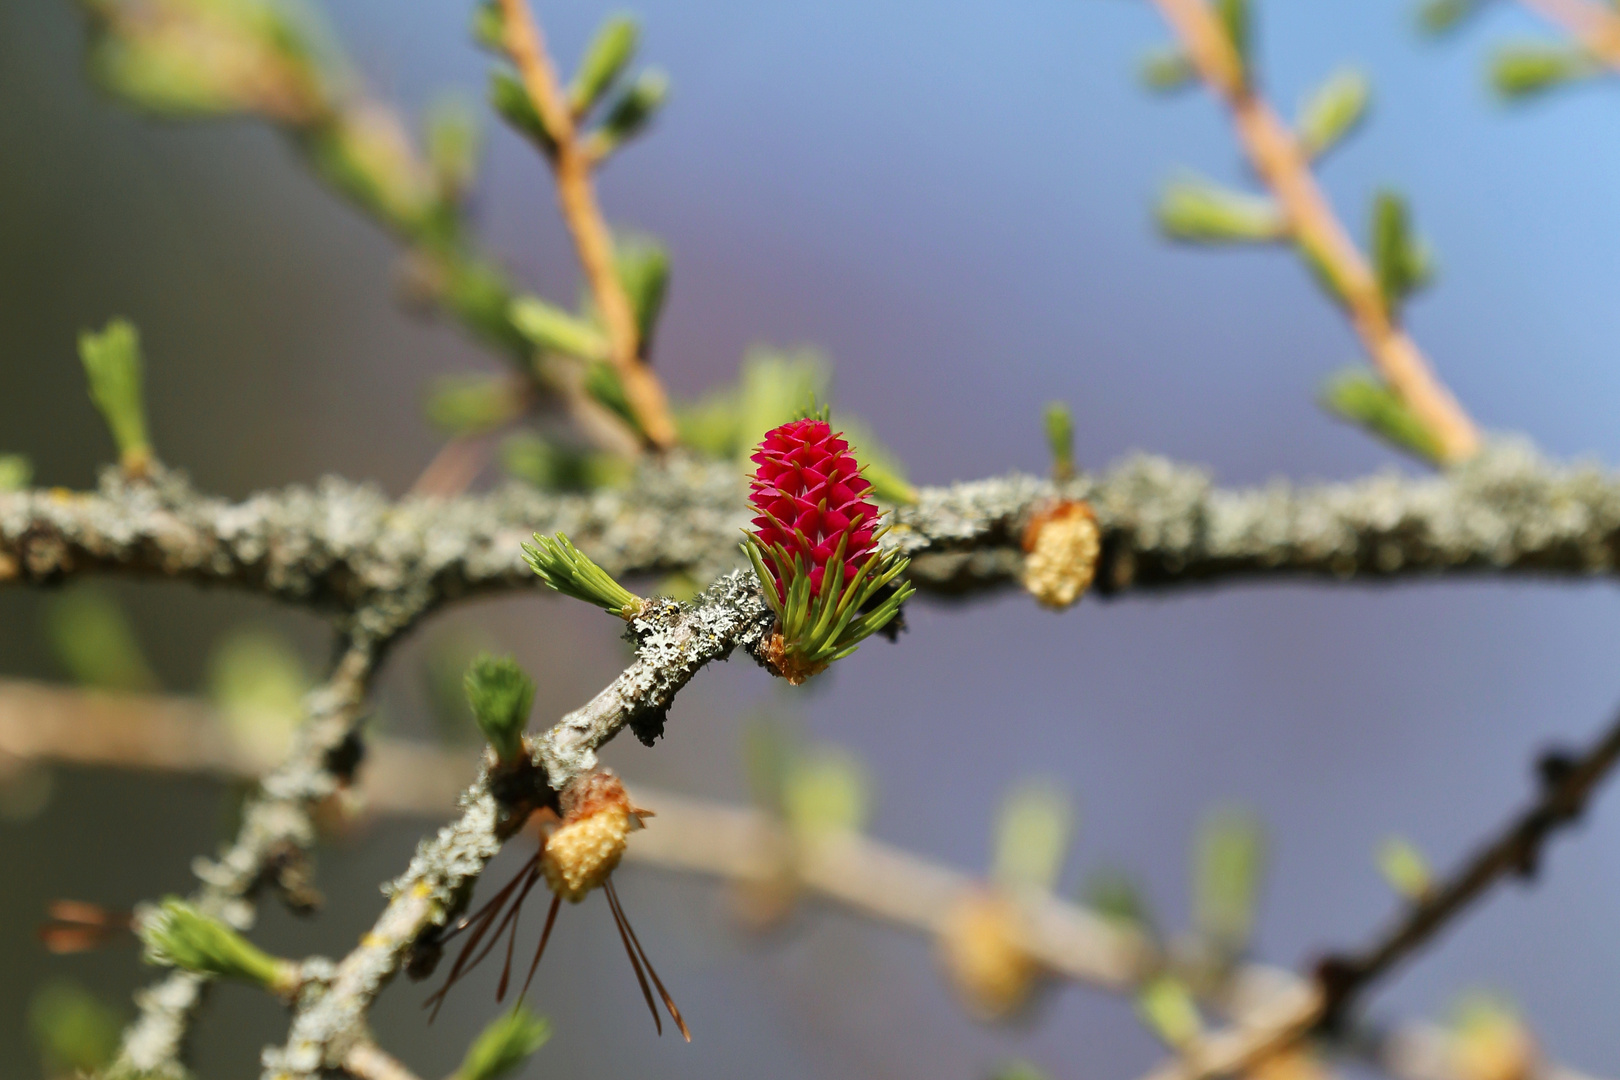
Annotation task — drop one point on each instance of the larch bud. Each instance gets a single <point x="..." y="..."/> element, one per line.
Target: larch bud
<point x="981" y="949"/>
<point x="1490" y="1042"/>
<point x="1061" y="544"/>
<point x="587" y="846"/>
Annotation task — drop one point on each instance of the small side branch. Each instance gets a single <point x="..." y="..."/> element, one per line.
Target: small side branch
<point x="270" y="846"/>
<point x="675" y="642"/>
<point x="368" y="1061"/>
<point x="1277" y="158"/>
<point x="572" y="166"/>
<point x="1567" y="785"/>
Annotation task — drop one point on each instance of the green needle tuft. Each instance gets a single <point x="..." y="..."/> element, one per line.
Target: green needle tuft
<point x="565" y="568"/>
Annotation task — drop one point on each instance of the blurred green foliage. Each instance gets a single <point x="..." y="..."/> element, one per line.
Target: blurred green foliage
<point x="1402" y="263"/>
<point x="1440" y="16"/>
<point x="1405" y="868"/>
<point x="1524" y="69"/>
<point x="454" y="143"/>
<point x="1116" y="896"/>
<point x="557" y="467"/>
<point x="1238" y="22"/>
<point x="504" y="1045"/>
<point x="258" y="681"/>
<point x="815" y="789"/>
<point x="1364" y="399"/>
<point x="93" y="641"/>
<point x="629" y="116"/>
<point x="1333" y="111"/>
<point x="1199" y="211"/>
<point x="16" y="472"/>
<point x="500" y="694"/>
<point x="1166" y="69"/>
<point x="1017" y="1070"/>
<point x="113" y="366"/>
<point x="1058" y="422"/>
<point x="1166" y="1005"/>
<point x="76" y="1032"/>
<point x="826" y="789"/>
<point x="214" y="57"/>
<point x="1229" y="860"/>
<point x="643" y="266"/>
<point x="473" y="404"/>
<point x="606" y="58"/>
<point x="1033" y="831"/>
<point x="546" y="326"/>
<point x="772" y="388"/>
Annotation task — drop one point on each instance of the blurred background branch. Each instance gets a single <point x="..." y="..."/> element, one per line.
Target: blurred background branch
<point x="1567" y="782"/>
<point x="1217" y="47"/>
<point x="571" y="165"/>
<point x="771" y="859"/>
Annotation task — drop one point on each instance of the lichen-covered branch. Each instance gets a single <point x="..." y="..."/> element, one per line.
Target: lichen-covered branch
<point x="379" y="565"/>
<point x="347" y="548"/>
<point x="674" y="642"/>
<point x="271" y="845"/>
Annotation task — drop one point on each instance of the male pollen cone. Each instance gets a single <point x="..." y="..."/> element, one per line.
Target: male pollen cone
<point x="810" y="484"/>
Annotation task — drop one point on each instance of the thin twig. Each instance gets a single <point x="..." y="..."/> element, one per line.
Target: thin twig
<point x="572" y="167"/>
<point x="1596" y="26"/>
<point x="368" y="1061"/>
<point x="1567" y="785"/>
<point x="270" y="847"/>
<point x="1515" y="850"/>
<point x="454" y="467"/>
<point x="1276" y="156"/>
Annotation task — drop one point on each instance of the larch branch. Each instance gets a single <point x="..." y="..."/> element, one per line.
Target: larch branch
<point x="1277" y="158"/>
<point x="271" y="844"/>
<point x="1568" y="783"/>
<point x="674" y="642"/>
<point x="347" y="549"/>
<point x="572" y="166"/>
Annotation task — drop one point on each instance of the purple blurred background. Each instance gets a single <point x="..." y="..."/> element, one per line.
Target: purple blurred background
<point x="953" y="200"/>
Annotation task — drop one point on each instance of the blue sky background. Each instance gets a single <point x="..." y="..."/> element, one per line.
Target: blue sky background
<point x="953" y="199"/>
